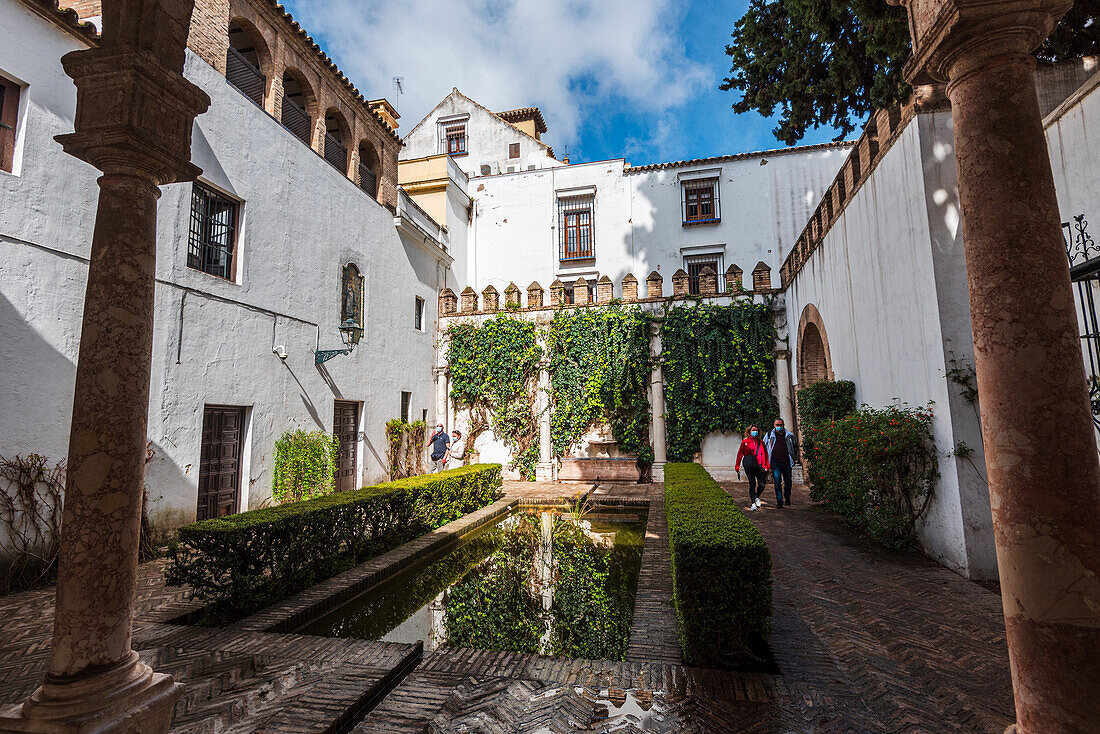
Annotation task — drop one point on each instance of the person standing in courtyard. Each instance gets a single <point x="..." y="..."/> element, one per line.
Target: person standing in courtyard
<point x="458" y="448"/>
<point x="439" y="447"/>
<point x="754" y="455"/>
<point x="781" y="456"/>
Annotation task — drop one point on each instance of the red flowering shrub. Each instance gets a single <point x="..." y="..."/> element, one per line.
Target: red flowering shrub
<point x="877" y="469"/>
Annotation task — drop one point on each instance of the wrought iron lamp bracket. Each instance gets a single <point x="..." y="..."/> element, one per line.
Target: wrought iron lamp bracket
<point x="323" y="355"/>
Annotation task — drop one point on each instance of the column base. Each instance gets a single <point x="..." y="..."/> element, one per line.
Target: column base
<point x="128" y="698"/>
<point x="544" y="471"/>
<point x="658" y="472"/>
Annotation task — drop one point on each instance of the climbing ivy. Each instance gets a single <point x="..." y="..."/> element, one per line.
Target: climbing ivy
<point x="599" y="367"/>
<point x="494" y="372"/>
<point x="718" y="370"/>
<point x="305" y="465"/>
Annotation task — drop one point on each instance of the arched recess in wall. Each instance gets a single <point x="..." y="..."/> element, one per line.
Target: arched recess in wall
<point x="814" y="362"/>
<point x="247" y="61"/>
<point x="298" y="103"/>
<point x="336" y="139"/>
<point x="370" y="168"/>
<point x="351" y="296"/>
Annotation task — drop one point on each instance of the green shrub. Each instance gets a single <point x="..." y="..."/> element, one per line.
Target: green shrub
<point x="305" y="465"/>
<point x="877" y="469"/>
<point x="244" y="562"/>
<point x="721" y="572"/>
<point x="825" y="401"/>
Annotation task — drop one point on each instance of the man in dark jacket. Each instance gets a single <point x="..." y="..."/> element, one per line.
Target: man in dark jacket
<point x="782" y="453"/>
<point x="439" y="449"/>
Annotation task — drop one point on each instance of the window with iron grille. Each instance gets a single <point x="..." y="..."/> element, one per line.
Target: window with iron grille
<point x="694" y="264"/>
<point x="418" y="314"/>
<point x="575" y="240"/>
<point x="9" y="108"/>
<point x="513" y="150"/>
<point x="406" y="400"/>
<point x="700" y="201"/>
<point x="213" y="233"/>
<point x="453" y="138"/>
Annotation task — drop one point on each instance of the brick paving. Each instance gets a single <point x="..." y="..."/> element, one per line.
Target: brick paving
<point x="866" y="641"/>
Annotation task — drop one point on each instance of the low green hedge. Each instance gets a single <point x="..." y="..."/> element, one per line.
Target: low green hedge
<point x="721" y="572"/>
<point x="244" y="562"/>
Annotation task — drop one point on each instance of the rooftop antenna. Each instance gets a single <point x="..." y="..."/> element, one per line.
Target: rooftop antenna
<point x="398" y="90"/>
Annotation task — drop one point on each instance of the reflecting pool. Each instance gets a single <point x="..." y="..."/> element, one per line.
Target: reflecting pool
<point x="540" y="580"/>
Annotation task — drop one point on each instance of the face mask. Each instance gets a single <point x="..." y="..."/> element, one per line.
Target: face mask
<point x="779" y="429"/>
<point x="756" y="433"/>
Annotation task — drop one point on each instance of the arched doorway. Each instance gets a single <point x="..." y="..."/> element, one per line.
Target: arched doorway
<point x="814" y="363"/>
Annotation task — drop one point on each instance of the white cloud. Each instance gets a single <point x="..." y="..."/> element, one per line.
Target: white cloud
<point x="564" y="56"/>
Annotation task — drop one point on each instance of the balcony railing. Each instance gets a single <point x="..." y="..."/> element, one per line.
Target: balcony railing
<point x="367" y="180"/>
<point x="240" y="72"/>
<point x="297" y="121"/>
<point x="336" y="153"/>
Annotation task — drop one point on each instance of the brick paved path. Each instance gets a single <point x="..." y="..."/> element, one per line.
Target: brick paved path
<point x="867" y="641"/>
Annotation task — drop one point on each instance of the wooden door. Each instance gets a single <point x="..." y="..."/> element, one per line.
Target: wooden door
<point x="220" y="463"/>
<point x="345" y="426"/>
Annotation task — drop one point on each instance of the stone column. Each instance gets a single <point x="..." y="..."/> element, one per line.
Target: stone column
<point x="442" y="415"/>
<point x="545" y="468"/>
<point x="1036" y="423"/>
<point x="134" y="116"/>
<point x="783" y="388"/>
<point x="657" y="407"/>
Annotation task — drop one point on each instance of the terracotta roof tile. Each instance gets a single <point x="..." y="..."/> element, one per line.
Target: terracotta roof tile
<point x="525" y="113"/>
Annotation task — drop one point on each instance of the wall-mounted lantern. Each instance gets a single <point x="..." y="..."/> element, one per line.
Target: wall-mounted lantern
<point x="350" y="333"/>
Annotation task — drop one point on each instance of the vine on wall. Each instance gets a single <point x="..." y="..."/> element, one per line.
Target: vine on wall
<point x="493" y="368"/>
<point x="305" y="465"/>
<point x="599" y="373"/>
<point x="719" y="366"/>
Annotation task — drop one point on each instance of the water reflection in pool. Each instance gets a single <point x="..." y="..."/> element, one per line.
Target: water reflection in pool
<point x="543" y="581"/>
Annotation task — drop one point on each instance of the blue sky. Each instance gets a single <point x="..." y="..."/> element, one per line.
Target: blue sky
<point x="614" y="78"/>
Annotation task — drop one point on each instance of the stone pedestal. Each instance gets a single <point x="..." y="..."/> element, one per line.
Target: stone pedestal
<point x="1041" y="459"/>
<point x="134" y="117"/>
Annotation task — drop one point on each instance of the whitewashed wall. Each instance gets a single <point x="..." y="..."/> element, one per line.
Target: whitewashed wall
<point x="890" y="284"/>
<point x="487" y="139"/>
<point x="301" y="221"/>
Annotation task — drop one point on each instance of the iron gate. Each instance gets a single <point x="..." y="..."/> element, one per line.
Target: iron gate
<point x="1084" y="270"/>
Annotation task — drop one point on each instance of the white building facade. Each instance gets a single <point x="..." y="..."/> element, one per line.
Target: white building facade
<point x="254" y="265"/>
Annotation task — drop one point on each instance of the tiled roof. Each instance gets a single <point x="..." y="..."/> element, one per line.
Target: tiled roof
<point x="525" y="113"/>
<point x="738" y="156"/>
<point x="67" y="18"/>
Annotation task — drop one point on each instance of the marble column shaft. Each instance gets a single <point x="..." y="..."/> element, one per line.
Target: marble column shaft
<point x="1044" y="475"/>
<point x="657" y="407"/>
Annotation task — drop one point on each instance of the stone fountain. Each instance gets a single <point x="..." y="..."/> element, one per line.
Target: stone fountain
<point x="597" y="459"/>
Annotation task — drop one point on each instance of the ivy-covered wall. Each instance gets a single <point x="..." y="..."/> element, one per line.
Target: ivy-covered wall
<point x="599" y="373"/>
<point x="719" y="368"/>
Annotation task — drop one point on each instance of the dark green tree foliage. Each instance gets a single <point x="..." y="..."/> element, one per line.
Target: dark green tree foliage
<point x="831" y="63"/>
<point x="825" y="401"/>
<point x="494" y="370"/>
<point x="599" y="367"/>
<point x="718" y="372"/>
<point x="819" y="63"/>
<point x="594" y="594"/>
<point x="493" y="607"/>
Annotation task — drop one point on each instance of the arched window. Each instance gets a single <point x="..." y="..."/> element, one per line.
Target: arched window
<point x="243" y="60"/>
<point x="336" y="135"/>
<point x="812" y="362"/>
<point x="351" y="295"/>
<point x="295" y="117"/>
<point x="369" y="168"/>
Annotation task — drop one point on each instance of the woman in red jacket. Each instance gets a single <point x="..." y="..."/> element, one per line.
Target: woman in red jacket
<point x="755" y="457"/>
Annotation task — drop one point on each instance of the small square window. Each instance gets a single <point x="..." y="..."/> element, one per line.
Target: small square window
<point x="213" y="234"/>
<point x="701" y="201"/>
<point x="513" y="150"/>
<point x="454" y="139"/>
<point x="418" y="314"/>
<point x="694" y="265"/>
<point x="406" y="401"/>
<point x="575" y="241"/>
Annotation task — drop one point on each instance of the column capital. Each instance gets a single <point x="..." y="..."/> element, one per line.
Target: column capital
<point x="952" y="37"/>
<point x="134" y="114"/>
<point x="783" y="354"/>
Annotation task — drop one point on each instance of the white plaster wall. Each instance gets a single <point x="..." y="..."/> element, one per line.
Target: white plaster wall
<point x="638" y="218"/>
<point x="487" y="139"/>
<point x="886" y="280"/>
<point x="301" y="221"/>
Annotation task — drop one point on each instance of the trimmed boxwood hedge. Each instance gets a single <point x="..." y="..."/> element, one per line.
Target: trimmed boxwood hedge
<point x="244" y="562"/>
<point x="721" y="572"/>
